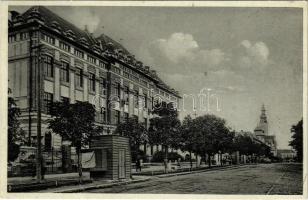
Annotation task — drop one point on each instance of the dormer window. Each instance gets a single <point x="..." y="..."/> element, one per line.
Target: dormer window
<point x="19" y="18"/>
<point x="35" y="14"/>
<point x="96" y="48"/>
<point x="110" y="47"/>
<point x="70" y="34"/>
<point x="55" y="26"/>
<point x="120" y="53"/>
<point x="139" y="64"/>
<point x="83" y="41"/>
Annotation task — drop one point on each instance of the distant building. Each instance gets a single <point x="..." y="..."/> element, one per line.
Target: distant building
<point x="251" y="135"/>
<point x="286" y="154"/>
<point x="262" y="133"/>
<point x="76" y="66"/>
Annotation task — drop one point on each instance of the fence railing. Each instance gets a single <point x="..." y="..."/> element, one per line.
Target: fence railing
<point x="25" y="164"/>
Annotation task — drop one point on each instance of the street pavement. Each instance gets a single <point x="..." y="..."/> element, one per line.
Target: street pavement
<point x="257" y="179"/>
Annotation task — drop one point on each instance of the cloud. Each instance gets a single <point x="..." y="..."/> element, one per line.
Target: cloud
<point x="183" y="51"/>
<point x="178" y="46"/>
<point x="84" y="17"/>
<point x="182" y="63"/>
<point x="255" y="55"/>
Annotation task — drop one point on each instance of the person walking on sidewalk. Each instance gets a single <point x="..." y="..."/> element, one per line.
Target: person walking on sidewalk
<point x="138" y="165"/>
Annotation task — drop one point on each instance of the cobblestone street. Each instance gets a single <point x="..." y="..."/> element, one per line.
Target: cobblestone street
<point x="253" y="179"/>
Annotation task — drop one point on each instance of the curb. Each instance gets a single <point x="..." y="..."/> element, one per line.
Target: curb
<point x="101" y="186"/>
<point x="200" y="171"/>
<point x="43" y="185"/>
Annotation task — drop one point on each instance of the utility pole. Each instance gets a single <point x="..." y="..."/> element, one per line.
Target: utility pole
<point x="39" y="116"/>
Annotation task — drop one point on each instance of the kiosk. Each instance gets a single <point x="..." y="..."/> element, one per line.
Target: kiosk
<point x="112" y="157"/>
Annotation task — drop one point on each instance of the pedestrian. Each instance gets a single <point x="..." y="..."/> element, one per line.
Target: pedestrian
<point x="179" y="163"/>
<point x="138" y="165"/>
<point x="33" y="167"/>
<point x="141" y="164"/>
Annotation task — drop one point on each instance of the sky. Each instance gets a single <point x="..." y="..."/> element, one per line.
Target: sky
<point x="245" y="56"/>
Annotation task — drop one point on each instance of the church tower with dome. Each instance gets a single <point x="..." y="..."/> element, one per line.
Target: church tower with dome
<point x="262" y="132"/>
<point x="262" y="127"/>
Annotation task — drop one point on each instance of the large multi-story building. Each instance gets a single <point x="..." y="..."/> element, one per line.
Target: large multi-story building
<point x="51" y="57"/>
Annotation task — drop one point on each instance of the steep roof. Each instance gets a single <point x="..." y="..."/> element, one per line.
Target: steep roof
<point x="50" y="18"/>
<point x="52" y="21"/>
<point x="105" y="39"/>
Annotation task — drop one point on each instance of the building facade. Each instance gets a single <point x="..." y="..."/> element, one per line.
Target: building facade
<point x="262" y="133"/>
<point x="286" y="154"/>
<point x="51" y="60"/>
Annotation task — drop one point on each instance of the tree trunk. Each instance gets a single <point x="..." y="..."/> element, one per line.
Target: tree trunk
<point x="190" y="160"/>
<point x="196" y="160"/>
<point x="204" y="159"/>
<point x="221" y="159"/>
<point x="209" y="159"/>
<point x="166" y="159"/>
<point x="79" y="165"/>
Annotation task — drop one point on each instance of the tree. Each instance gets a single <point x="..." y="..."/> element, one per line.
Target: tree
<point x="188" y="136"/>
<point x="244" y="144"/>
<point x="212" y="135"/>
<point x="136" y="132"/>
<point x="164" y="129"/>
<point x="248" y="145"/>
<point x="297" y="139"/>
<point x="15" y="133"/>
<point x="75" y="123"/>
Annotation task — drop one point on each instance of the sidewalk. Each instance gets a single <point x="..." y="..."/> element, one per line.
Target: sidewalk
<point x="95" y="185"/>
<point x="64" y="183"/>
<point x="20" y="184"/>
<point x="160" y="169"/>
<point x="28" y="179"/>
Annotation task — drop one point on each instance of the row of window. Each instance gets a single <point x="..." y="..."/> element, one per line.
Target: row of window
<point x="117" y="118"/>
<point x="67" y="47"/>
<point x="18" y="37"/>
<point x="48" y="100"/>
<point x="64" y="77"/>
<point x="49" y="39"/>
<point x="101" y="116"/>
<point x="80" y="54"/>
<point x="134" y="76"/>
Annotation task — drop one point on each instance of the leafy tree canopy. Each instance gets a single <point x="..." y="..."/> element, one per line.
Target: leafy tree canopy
<point x="16" y="136"/>
<point x="74" y="122"/>
<point x="135" y="131"/>
<point x="164" y="129"/>
<point x="297" y="139"/>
